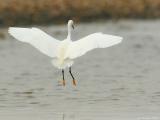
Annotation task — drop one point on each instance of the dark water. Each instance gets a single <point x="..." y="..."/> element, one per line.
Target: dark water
<point x="120" y="82"/>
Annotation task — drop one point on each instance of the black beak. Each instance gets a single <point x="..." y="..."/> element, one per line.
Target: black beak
<point x="72" y="26"/>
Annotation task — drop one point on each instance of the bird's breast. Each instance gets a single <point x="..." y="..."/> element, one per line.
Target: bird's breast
<point x="62" y="52"/>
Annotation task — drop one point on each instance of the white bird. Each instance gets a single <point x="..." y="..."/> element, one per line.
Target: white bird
<point x="63" y="52"/>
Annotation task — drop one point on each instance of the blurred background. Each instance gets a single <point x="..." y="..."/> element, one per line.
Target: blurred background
<point x="120" y="82"/>
<point x="20" y="12"/>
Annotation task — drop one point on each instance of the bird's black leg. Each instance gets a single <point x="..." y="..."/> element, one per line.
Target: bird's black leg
<point x="74" y="81"/>
<point x="64" y="83"/>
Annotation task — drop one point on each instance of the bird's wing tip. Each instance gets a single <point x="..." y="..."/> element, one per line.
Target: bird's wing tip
<point x="10" y="30"/>
<point x="121" y="38"/>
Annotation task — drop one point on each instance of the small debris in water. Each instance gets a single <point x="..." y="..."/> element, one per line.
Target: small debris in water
<point x="28" y="92"/>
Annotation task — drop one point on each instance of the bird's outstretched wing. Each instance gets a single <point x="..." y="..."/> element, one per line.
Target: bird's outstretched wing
<point x="37" y="38"/>
<point x="95" y="40"/>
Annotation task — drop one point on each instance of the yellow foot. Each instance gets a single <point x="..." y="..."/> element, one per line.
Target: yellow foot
<point x="74" y="82"/>
<point x="64" y="83"/>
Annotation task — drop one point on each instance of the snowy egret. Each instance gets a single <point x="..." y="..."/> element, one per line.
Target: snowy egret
<point x="63" y="52"/>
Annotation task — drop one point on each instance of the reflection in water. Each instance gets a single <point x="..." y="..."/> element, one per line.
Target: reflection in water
<point x="121" y="80"/>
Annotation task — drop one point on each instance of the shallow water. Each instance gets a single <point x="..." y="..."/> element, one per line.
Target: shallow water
<point x="120" y="82"/>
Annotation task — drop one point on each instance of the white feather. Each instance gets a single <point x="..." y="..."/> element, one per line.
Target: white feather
<point x="63" y="52"/>
<point x="37" y="38"/>
<point x="95" y="40"/>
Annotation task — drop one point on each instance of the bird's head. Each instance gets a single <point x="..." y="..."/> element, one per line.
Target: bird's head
<point x="71" y="24"/>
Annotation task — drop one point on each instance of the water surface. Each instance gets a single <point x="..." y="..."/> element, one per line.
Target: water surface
<point x="120" y="82"/>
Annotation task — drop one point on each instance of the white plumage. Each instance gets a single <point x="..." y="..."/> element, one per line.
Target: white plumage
<point x="90" y="42"/>
<point x="37" y="38"/>
<point x="63" y="52"/>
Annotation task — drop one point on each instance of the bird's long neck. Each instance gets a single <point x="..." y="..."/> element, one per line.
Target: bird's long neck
<point x="69" y="32"/>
